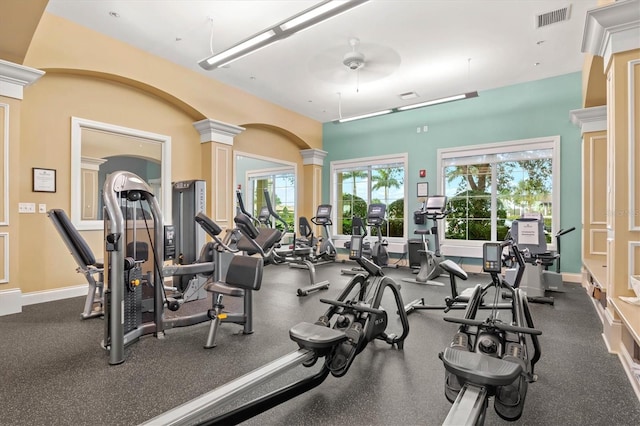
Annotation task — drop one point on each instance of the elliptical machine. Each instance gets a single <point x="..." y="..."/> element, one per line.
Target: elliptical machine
<point x="376" y="217"/>
<point x="433" y="209"/>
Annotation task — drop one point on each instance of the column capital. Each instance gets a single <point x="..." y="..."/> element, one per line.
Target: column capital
<point x="217" y="131"/>
<point x="612" y="29"/>
<point x="14" y="77"/>
<point x="592" y="119"/>
<point x="313" y="156"/>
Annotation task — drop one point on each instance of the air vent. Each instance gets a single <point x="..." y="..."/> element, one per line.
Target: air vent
<point x="558" y="15"/>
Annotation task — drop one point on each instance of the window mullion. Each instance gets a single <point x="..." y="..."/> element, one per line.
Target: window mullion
<point x="494" y="202"/>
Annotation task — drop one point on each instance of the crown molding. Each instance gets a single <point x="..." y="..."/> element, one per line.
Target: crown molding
<point x="217" y="131"/>
<point x="592" y="119"/>
<point x="612" y="29"/>
<point x="313" y="156"/>
<point x="14" y="77"/>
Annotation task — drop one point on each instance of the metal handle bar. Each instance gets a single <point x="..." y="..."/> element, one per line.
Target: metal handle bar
<point x="496" y="325"/>
<point x="565" y="231"/>
<point x="350" y="306"/>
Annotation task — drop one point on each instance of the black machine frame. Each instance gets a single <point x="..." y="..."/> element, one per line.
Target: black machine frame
<point x="353" y="320"/>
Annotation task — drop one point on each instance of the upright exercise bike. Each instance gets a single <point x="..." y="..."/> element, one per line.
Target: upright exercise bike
<point x="491" y="358"/>
<point x="327" y="250"/>
<point x="434" y="209"/>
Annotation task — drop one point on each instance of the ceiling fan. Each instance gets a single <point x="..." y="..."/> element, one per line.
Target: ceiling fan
<point x="362" y="63"/>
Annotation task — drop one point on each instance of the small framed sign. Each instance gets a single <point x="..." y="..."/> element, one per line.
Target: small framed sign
<point x="44" y="180"/>
<point x="423" y="189"/>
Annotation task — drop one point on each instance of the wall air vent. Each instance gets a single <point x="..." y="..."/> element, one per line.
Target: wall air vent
<point x="558" y="15"/>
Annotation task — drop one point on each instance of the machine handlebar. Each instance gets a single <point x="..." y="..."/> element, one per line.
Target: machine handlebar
<point x="273" y="213"/>
<point x="353" y="306"/>
<point x="489" y="324"/>
<point x="565" y="231"/>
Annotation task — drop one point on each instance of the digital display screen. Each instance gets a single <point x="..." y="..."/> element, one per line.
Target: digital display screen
<point x="491" y="254"/>
<point x="323" y="211"/>
<point x="436" y="203"/>
<point x="355" y="243"/>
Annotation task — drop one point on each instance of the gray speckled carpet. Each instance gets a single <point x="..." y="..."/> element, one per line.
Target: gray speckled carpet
<point x="54" y="371"/>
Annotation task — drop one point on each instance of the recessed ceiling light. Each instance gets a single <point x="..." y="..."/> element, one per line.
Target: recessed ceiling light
<point x="535" y="64"/>
<point x="114" y="14"/>
<point x="178" y="38"/>
<point x="408" y="95"/>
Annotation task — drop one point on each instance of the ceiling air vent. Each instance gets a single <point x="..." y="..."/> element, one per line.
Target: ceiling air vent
<point x="552" y="17"/>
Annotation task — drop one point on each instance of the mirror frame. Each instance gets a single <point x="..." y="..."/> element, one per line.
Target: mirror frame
<point x="286" y="165"/>
<point x="77" y="124"/>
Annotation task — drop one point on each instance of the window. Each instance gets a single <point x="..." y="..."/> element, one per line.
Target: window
<point x="357" y="183"/>
<point x="489" y="186"/>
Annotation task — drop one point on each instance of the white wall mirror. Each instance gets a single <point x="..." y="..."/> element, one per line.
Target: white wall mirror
<point x="98" y="149"/>
<point x="254" y="173"/>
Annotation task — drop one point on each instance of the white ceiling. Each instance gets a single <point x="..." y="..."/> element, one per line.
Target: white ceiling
<point x="435" y="48"/>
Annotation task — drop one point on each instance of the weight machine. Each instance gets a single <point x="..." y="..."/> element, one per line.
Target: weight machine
<point x="132" y="215"/>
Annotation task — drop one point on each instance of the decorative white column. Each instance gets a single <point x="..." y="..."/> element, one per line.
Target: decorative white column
<point x="13" y="79"/>
<point x="217" y="139"/>
<point x="312" y="161"/>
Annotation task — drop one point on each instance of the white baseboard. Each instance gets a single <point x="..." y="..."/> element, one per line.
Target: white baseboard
<point x="55" y="294"/>
<point x="571" y="277"/>
<point x="612" y="332"/>
<point x="629" y="366"/>
<point x="10" y="301"/>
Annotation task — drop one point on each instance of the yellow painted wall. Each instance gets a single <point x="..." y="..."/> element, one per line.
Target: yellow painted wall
<point x="94" y="77"/>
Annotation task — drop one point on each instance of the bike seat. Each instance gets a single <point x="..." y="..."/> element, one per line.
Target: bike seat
<point x="480" y="369"/>
<point x="453" y="268"/>
<point x="314" y="336"/>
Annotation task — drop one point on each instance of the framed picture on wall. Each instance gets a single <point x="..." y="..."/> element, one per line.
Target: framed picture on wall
<point x="423" y="189"/>
<point x="44" y="180"/>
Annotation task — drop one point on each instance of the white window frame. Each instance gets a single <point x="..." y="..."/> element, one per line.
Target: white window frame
<point x="469" y="248"/>
<point x="267" y="174"/>
<point x="396" y="244"/>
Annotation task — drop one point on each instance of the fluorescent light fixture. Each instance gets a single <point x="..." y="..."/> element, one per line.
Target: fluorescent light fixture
<point x="407" y="107"/>
<point x="303" y="20"/>
<point x="439" y="101"/>
<point x="241" y="49"/>
<point x="371" y="114"/>
<point x="318" y="13"/>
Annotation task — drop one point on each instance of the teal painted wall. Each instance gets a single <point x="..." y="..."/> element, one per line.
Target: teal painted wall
<point x="523" y="111"/>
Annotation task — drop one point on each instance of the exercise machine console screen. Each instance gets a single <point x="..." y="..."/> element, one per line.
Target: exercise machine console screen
<point x="491" y="253"/>
<point x="355" y="249"/>
<point x="436" y="203"/>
